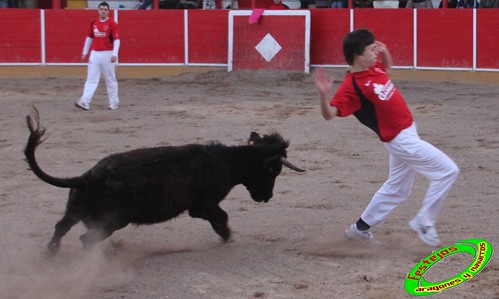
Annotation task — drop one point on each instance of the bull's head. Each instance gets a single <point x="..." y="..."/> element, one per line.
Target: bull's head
<point x="274" y="138"/>
<point x="261" y="183"/>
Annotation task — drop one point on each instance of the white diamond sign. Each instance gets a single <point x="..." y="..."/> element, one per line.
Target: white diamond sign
<point x="268" y="47"/>
<point x="269" y="44"/>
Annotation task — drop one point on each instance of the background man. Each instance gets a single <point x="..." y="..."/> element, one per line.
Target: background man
<point x="104" y="39"/>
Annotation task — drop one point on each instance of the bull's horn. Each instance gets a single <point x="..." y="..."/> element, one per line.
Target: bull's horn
<point x="289" y="165"/>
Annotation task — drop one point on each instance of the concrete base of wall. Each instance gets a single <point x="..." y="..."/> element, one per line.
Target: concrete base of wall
<point x="448" y="76"/>
<point x="81" y="71"/>
<point x="160" y="71"/>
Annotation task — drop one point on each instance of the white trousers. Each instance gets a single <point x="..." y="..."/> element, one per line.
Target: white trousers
<point x="100" y="62"/>
<point x="410" y="155"/>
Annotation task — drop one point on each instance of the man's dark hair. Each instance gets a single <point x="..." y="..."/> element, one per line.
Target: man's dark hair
<point x="355" y="42"/>
<point x="104" y="4"/>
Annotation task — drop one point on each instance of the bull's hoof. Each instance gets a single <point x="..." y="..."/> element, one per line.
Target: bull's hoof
<point x="225" y="234"/>
<point x="113" y="248"/>
<point x="53" y="248"/>
<point x="228" y="240"/>
<point x="87" y="242"/>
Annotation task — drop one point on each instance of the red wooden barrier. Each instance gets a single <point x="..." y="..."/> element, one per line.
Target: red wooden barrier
<point x="66" y="32"/>
<point x="20" y="43"/>
<point x="444" y="36"/>
<point x="395" y="27"/>
<point x="487" y="38"/>
<point x="269" y="44"/>
<point x="152" y="36"/>
<point x="329" y="26"/>
<point x="208" y="42"/>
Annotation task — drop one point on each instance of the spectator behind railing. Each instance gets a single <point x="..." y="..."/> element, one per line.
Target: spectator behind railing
<point x="419" y="4"/>
<point x="462" y="4"/>
<point x="304" y="4"/>
<point x="363" y="4"/>
<point x="339" y="4"/>
<point x="278" y="5"/>
<point x="489" y="3"/>
<point x="18" y="4"/>
<point x="386" y="4"/>
<point x="145" y="4"/>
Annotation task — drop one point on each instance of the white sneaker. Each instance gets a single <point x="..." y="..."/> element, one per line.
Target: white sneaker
<point x="83" y="106"/>
<point x="366" y="236"/>
<point x="113" y="106"/>
<point x="427" y="234"/>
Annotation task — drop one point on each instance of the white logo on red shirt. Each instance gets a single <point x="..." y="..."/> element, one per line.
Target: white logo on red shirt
<point x="97" y="33"/>
<point x="386" y="91"/>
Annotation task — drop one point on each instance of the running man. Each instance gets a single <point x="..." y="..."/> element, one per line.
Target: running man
<point x="370" y="95"/>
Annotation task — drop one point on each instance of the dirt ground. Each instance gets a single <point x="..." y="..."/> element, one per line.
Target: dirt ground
<point x="291" y="247"/>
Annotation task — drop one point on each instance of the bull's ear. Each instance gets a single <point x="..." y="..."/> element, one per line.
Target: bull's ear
<point x="254" y="138"/>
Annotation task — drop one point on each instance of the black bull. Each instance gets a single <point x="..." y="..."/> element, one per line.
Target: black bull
<point x="152" y="185"/>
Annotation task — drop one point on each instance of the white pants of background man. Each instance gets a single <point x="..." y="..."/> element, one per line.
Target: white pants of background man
<point x="100" y="62"/>
<point x="410" y="155"/>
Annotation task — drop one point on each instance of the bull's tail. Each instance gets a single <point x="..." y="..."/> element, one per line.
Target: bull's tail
<point x="36" y="138"/>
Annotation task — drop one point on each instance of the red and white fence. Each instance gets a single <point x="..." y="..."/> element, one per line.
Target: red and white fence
<point x="450" y="39"/>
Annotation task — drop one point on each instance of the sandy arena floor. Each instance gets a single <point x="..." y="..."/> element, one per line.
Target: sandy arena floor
<point x="291" y="247"/>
